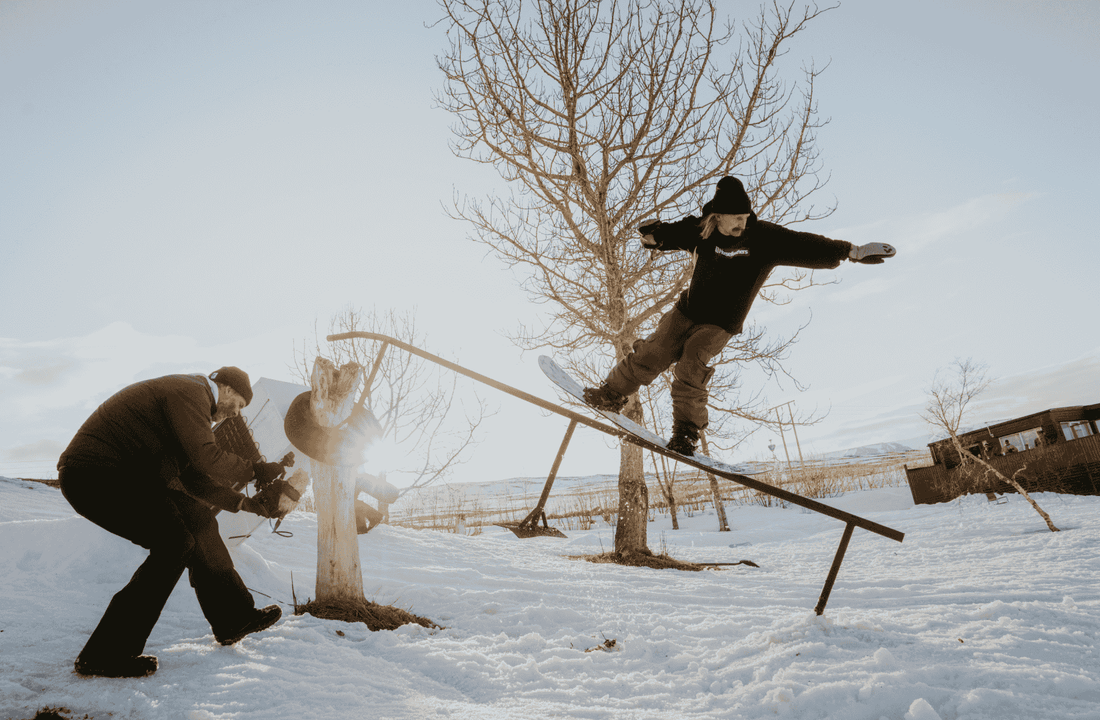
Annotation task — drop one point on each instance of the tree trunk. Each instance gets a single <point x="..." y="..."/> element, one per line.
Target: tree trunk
<point x="339" y="575"/>
<point x="668" y="490"/>
<point x="664" y="473"/>
<point x="1034" y="505"/>
<point x="723" y="525"/>
<point x="631" y="529"/>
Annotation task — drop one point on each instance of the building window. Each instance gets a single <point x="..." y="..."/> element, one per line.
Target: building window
<point x="1028" y="437"/>
<point x="1018" y="441"/>
<point x="1076" y="429"/>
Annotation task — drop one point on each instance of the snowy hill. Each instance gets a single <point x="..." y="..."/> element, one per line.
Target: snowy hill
<point x="980" y="613"/>
<point x="876" y="450"/>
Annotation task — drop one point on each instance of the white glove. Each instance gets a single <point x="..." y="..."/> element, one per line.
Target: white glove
<point x="645" y="230"/>
<point x="871" y="253"/>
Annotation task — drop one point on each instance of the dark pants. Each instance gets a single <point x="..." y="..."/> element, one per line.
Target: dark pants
<point x="179" y="532"/>
<point x="691" y="347"/>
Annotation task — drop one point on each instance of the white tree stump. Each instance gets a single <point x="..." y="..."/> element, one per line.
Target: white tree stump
<point x="339" y="575"/>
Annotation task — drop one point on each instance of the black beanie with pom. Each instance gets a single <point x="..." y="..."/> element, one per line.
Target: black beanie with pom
<point x="730" y="198"/>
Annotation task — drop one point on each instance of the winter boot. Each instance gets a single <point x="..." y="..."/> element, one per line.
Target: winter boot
<point x="260" y="620"/>
<point x="605" y="399"/>
<point x="117" y="667"/>
<point x="684" y="437"/>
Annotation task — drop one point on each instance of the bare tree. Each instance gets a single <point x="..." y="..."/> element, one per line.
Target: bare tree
<point x="417" y="404"/>
<point x="948" y="401"/>
<point x="602" y="115"/>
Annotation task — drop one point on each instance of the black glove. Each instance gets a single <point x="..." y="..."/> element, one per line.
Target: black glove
<point x="256" y="507"/>
<point x="266" y="472"/>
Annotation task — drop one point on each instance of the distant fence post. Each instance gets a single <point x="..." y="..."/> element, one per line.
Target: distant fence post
<point x="783" y="437"/>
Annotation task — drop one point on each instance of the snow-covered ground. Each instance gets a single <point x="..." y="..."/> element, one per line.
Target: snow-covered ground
<point x="980" y="613"/>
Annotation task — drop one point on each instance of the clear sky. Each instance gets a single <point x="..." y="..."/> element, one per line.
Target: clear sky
<point x="185" y="185"/>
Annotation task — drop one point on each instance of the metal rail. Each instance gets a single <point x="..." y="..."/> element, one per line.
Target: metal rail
<point x="515" y="392"/>
<point x="851" y="521"/>
<point x="763" y="487"/>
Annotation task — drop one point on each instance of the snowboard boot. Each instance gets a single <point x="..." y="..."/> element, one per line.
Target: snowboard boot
<point x="684" y="437"/>
<point x="116" y="667"/>
<point x="605" y="399"/>
<point x="260" y="620"/>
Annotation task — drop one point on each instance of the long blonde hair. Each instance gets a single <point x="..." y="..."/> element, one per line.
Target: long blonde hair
<point x="709" y="225"/>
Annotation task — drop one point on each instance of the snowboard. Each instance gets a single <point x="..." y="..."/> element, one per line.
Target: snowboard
<point x="641" y="436"/>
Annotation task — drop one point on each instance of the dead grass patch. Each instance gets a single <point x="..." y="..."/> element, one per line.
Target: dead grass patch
<point x="376" y="617"/>
<point x="58" y="713"/>
<point x="642" y="559"/>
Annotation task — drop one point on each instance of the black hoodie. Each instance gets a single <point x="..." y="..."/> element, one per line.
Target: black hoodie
<point x="728" y="278"/>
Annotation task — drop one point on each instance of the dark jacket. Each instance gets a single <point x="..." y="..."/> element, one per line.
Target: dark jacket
<point x="160" y="429"/>
<point x="727" y="280"/>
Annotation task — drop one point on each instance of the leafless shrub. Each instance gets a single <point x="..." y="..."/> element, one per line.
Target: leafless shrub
<point x="419" y="405"/>
<point x="948" y="400"/>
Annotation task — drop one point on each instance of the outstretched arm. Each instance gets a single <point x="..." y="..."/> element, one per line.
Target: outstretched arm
<point x="802" y="249"/>
<point x="680" y="235"/>
<point x="807" y="250"/>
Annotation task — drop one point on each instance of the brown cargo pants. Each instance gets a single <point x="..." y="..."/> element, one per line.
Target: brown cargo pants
<point x="691" y="347"/>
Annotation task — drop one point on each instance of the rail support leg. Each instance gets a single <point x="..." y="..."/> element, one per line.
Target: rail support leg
<point x="374" y="368"/>
<point x="532" y="519"/>
<point x="835" y="568"/>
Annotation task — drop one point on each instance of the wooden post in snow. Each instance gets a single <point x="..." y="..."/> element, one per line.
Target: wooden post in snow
<point x="339" y="575"/>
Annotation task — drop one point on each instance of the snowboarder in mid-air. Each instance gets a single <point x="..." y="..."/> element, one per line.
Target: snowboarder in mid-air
<point x="735" y="252"/>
